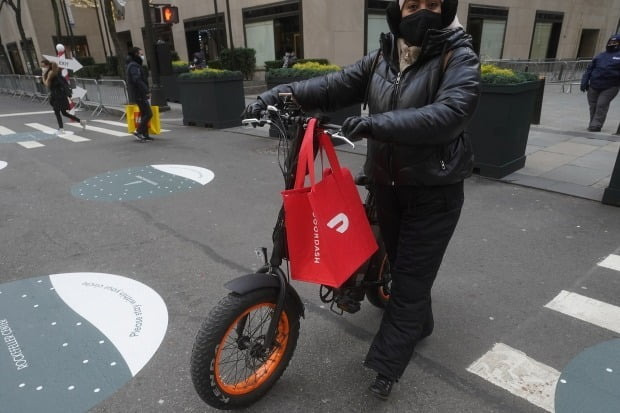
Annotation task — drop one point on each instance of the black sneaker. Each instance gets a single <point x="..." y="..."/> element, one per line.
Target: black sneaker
<point x="594" y="129"/>
<point x="381" y="387"/>
<point x="149" y="138"/>
<point x="140" y="137"/>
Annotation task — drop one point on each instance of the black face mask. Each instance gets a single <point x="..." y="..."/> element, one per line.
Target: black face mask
<point x="413" y="27"/>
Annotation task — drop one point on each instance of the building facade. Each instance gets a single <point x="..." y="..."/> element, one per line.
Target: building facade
<point x="339" y="30"/>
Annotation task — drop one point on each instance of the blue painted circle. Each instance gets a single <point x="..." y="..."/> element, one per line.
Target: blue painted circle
<point x="591" y="381"/>
<point x="142" y="182"/>
<point x="69" y="341"/>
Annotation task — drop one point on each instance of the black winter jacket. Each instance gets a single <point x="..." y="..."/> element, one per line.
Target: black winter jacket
<point x="418" y="116"/>
<point x="137" y="81"/>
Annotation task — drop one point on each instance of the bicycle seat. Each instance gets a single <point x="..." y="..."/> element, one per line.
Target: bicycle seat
<point x="361" y="179"/>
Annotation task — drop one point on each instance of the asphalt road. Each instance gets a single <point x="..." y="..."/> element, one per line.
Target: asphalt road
<point x="514" y="251"/>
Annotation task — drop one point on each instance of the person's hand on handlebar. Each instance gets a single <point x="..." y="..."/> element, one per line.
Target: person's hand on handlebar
<point x="357" y="127"/>
<point x="254" y="109"/>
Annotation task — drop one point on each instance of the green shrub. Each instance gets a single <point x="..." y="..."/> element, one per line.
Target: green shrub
<point x="215" y="64"/>
<point x="304" y="70"/>
<point x="494" y="75"/>
<point x="174" y="55"/>
<point x="273" y="64"/>
<point x="277" y="64"/>
<point x="92" y="71"/>
<point x="179" y="66"/>
<point x="209" y="73"/>
<point x="86" y="60"/>
<point x="239" y="59"/>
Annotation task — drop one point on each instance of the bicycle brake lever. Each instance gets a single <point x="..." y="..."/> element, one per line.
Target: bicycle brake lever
<point x="337" y="135"/>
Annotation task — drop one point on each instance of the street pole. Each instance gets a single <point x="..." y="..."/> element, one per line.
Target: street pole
<point x="157" y="95"/>
<point x="105" y="50"/>
<point x="612" y="193"/>
<point x="217" y="31"/>
<point x="229" y="26"/>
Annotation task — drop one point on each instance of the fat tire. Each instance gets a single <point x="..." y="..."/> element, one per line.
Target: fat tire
<point x="210" y="335"/>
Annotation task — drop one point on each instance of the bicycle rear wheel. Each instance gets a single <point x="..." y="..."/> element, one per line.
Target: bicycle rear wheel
<point x="379" y="270"/>
<point x="230" y="366"/>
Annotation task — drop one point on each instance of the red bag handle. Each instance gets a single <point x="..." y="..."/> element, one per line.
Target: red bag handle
<point x="305" y="160"/>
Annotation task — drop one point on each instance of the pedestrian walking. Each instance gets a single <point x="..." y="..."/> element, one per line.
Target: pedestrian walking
<point x="602" y="82"/>
<point x="60" y="94"/>
<point x="289" y="58"/>
<point x="422" y="87"/>
<point x="138" y="91"/>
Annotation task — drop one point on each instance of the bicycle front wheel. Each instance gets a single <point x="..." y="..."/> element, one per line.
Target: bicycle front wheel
<point x="231" y="367"/>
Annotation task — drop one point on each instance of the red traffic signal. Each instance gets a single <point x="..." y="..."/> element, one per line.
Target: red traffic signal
<point x="170" y="14"/>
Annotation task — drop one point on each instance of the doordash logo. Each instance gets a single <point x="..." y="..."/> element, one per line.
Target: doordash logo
<point x="340" y="223"/>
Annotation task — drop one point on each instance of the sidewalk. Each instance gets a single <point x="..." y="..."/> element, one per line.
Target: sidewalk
<point x="562" y="156"/>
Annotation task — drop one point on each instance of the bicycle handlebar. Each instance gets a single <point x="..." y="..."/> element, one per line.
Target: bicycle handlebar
<point x="266" y="117"/>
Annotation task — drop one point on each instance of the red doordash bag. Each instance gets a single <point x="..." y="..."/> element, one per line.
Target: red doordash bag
<point x="328" y="233"/>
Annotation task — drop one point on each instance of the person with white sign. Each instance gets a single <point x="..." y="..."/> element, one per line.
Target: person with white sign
<point x="60" y="92"/>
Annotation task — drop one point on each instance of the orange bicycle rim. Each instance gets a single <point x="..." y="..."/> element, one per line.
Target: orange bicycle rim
<point x="263" y="372"/>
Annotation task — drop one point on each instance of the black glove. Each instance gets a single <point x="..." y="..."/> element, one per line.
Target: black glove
<point x="254" y="109"/>
<point x="357" y="127"/>
<point x="584" y="87"/>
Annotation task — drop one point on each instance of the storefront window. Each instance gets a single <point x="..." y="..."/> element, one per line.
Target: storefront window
<point x="206" y="36"/>
<point x="487" y="26"/>
<point x="259" y="36"/>
<point x="376" y="23"/>
<point x="79" y="43"/>
<point x="5" y="66"/>
<point x="272" y="29"/>
<point x="546" y="35"/>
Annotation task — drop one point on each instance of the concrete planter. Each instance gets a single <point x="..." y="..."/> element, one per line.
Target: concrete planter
<point x="500" y="127"/>
<point x="212" y="102"/>
<point x="170" y="87"/>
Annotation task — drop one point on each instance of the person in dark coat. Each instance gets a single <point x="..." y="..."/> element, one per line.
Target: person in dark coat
<point x="602" y="82"/>
<point x="60" y="92"/>
<point x="423" y="86"/>
<point x="138" y="91"/>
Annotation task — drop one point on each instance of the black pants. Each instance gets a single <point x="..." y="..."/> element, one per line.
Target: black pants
<point x="145" y="116"/>
<point x="58" y="112"/>
<point x="599" y="101"/>
<point x="416" y="224"/>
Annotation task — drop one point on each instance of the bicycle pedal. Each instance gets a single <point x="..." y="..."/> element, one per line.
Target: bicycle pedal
<point x="348" y="304"/>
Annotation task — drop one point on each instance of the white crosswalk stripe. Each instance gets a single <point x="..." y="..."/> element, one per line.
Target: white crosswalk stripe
<point x="30" y="144"/>
<point x="587" y="309"/>
<point x="115" y="123"/>
<point x="33" y="142"/>
<point x="101" y="130"/>
<point x="612" y="262"/>
<point x="67" y="136"/>
<point x="521" y="375"/>
<point x="5" y="131"/>
<point x="514" y="371"/>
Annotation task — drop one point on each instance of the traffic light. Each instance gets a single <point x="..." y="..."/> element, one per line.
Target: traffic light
<point x="170" y="14"/>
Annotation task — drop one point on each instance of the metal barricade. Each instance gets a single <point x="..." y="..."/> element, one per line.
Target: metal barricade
<point x="28" y="84"/>
<point x="113" y="94"/>
<point x="41" y="91"/>
<point x="564" y="72"/>
<point x="92" y="98"/>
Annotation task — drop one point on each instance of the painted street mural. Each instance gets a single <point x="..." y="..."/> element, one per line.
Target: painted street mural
<point x="69" y="341"/>
<point x="142" y="182"/>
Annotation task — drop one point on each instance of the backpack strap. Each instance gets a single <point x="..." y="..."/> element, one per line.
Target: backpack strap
<point x="375" y="61"/>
